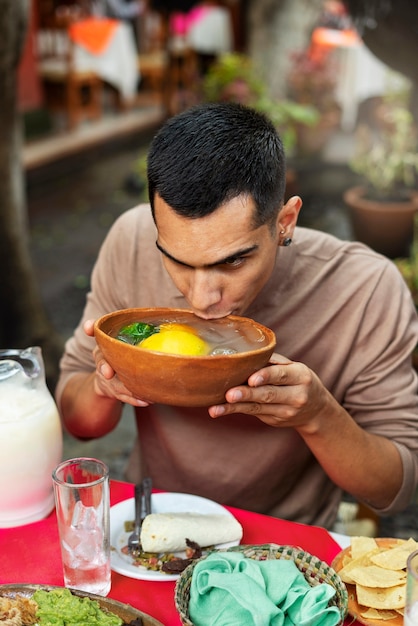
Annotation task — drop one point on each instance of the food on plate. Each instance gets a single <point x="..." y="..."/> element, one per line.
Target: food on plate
<point x="375" y="572"/>
<point x="177" y="564"/>
<point x="70" y="609"/>
<point x="13" y="612"/>
<point x="377" y="598"/>
<point x="55" y="607"/>
<point x="167" y="532"/>
<point x="168" y="540"/>
<point x="165" y="562"/>
<point x="375" y="576"/>
<point x="362" y="545"/>
<point x="58" y="607"/>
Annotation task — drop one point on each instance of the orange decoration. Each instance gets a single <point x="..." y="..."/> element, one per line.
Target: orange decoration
<point x="92" y="33"/>
<point x="333" y="38"/>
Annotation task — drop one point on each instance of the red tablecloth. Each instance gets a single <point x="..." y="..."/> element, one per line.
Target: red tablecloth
<point x="31" y="554"/>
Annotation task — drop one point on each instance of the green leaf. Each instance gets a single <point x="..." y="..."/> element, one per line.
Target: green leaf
<point x="136" y="332"/>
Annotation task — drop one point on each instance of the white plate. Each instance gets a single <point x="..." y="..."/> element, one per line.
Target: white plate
<point x="160" y="503"/>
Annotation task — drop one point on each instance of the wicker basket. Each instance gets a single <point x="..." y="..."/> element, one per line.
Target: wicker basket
<point x="314" y="570"/>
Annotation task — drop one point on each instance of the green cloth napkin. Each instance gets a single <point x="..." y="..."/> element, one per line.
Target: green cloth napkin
<point x="228" y="589"/>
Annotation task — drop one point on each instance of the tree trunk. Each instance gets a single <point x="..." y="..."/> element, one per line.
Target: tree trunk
<point x="23" y="320"/>
<point x="276" y="28"/>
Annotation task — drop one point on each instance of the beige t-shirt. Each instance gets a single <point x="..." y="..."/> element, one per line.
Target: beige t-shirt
<point x="336" y="306"/>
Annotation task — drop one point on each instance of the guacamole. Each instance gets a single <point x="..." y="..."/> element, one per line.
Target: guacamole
<point x="59" y="607"/>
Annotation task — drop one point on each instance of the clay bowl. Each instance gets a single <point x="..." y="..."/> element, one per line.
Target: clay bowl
<point x="176" y="379"/>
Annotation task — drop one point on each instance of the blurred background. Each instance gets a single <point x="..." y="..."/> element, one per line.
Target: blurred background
<point x="86" y="84"/>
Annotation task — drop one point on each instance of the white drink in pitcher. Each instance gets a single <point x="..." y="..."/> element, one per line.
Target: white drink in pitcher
<point x="30" y="443"/>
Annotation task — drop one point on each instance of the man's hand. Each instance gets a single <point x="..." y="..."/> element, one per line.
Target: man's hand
<point x="289" y="394"/>
<point x="106" y="382"/>
<point x="283" y="394"/>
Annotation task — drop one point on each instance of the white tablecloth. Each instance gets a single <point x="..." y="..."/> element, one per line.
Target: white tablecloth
<point x="209" y="33"/>
<point x="212" y="33"/>
<point x="343" y="540"/>
<point x="362" y="75"/>
<point x="117" y="64"/>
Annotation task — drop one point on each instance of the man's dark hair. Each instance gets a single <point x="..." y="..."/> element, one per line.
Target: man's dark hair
<point x="212" y="153"/>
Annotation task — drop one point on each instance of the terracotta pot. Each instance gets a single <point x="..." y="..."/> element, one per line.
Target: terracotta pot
<point x="387" y="227"/>
<point x="177" y="379"/>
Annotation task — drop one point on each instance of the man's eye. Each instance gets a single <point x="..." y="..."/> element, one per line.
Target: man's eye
<point x="235" y="261"/>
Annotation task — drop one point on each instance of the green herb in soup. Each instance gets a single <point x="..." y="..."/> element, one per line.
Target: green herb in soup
<point x="136" y="332"/>
<point x="59" y="607"/>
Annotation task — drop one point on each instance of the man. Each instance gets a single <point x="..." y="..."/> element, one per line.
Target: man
<point x="336" y="410"/>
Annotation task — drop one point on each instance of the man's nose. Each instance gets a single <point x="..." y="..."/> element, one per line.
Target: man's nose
<point x="204" y="290"/>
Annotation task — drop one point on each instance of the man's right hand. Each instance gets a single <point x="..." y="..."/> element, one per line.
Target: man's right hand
<point x="106" y="381"/>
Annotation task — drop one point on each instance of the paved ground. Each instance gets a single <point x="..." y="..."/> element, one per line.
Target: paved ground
<point x="71" y="207"/>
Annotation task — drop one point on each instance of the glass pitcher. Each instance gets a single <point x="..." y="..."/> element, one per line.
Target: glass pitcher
<point x="30" y="438"/>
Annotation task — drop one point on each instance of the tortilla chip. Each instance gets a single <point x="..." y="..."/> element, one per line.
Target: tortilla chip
<point x="362" y="545"/>
<point x="395" y="558"/>
<point x="377" y="570"/>
<point x="377" y="577"/>
<point x="379" y="614"/>
<point x="388" y="598"/>
<point x="363" y="561"/>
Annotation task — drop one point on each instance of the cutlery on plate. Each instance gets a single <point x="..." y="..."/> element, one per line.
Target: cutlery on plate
<point x="134" y="543"/>
<point x="147" y="488"/>
<point x="142" y="509"/>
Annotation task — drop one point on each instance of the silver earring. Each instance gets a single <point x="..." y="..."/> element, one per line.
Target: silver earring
<point x="287" y="241"/>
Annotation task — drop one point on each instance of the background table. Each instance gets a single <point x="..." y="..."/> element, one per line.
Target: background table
<point x="116" y="64"/>
<point x="31" y="554"/>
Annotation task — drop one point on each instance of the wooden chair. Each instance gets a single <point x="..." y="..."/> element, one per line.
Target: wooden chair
<point x="183" y="76"/>
<point x="77" y="94"/>
<point x="153" y="58"/>
<point x="167" y="67"/>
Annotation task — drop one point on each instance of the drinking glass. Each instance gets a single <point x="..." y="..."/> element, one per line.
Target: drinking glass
<point x="82" y="501"/>
<point x="411" y="606"/>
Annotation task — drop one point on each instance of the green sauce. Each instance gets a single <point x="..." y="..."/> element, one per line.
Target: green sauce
<point x="59" y="607"/>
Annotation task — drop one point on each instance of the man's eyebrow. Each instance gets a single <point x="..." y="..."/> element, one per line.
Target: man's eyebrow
<point x="228" y="259"/>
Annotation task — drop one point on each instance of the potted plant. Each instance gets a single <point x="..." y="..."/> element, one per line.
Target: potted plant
<point x="382" y="208"/>
<point x="312" y="81"/>
<point x="233" y="77"/>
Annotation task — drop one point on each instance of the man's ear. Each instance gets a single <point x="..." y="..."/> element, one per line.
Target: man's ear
<point x="288" y="216"/>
